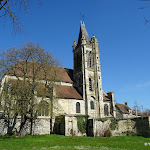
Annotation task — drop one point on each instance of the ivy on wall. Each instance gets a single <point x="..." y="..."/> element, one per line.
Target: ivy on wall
<point x="102" y="119"/>
<point x="113" y="124"/>
<point x="82" y="123"/>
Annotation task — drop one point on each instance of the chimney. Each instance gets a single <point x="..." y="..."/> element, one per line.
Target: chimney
<point x="109" y="94"/>
<point x="126" y="103"/>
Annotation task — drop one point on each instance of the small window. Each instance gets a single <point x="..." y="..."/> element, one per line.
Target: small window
<point x="90" y="84"/>
<point x="77" y="107"/>
<point x="92" y="104"/>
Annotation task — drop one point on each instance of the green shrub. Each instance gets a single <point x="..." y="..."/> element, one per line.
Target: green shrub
<point x="102" y="119"/>
<point x="82" y="123"/>
<point x="107" y="133"/>
<point x="114" y="123"/>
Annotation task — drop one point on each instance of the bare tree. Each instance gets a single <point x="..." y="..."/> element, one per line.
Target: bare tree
<point x="29" y="66"/>
<point x="11" y="9"/>
<point x="9" y="108"/>
<point x="147" y="112"/>
<point x="136" y="108"/>
<point x="144" y="7"/>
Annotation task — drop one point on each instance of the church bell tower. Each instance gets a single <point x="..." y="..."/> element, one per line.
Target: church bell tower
<point x="87" y="73"/>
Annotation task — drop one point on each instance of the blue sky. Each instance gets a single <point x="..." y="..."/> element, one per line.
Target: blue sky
<point x="124" y="40"/>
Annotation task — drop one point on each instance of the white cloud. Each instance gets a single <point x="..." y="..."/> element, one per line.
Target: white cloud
<point x="143" y="85"/>
<point x="138" y="86"/>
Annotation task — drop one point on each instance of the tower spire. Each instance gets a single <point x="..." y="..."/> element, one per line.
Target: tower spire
<point x="87" y="73"/>
<point x="81" y="18"/>
<point x="82" y="32"/>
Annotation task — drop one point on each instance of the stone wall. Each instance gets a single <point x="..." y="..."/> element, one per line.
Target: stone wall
<point x="68" y="106"/>
<point x="106" y="127"/>
<point x="71" y="127"/>
<point x="40" y="126"/>
<point x="68" y="126"/>
<point x="122" y="127"/>
<point x="63" y="125"/>
<point x="101" y="128"/>
<point x="137" y="126"/>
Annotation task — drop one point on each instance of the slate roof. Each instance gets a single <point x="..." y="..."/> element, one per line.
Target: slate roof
<point x="84" y="32"/>
<point x="123" y="108"/>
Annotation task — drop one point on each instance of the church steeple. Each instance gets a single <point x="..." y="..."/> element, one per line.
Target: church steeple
<point x="87" y="73"/>
<point x="83" y="32"/>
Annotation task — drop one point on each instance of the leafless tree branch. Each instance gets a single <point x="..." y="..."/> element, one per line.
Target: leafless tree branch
<point x="10" y="7"/>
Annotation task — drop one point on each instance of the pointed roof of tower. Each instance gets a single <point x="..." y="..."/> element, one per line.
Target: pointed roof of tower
<point x="82" y="32"/>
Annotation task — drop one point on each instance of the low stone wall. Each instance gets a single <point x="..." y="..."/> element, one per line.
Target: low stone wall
<point x="136" y="126"/>
<point x="122" y="127"/>
<point x="106" y="127"/>
<point x="116" y="127"/>
<point x="71" y="127"/>
<point x="101" y="128"/>
<point x="40" y="126"/>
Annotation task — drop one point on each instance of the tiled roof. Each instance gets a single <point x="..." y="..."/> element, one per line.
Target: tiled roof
<point x="124" y="108"/>
<point x="146" y="114"/>
<point x="105" y="98"/>
<point x="138" y="113"/>
<point x="61" y="91"/>
<point x="67" y="92"/>
<point x="53" y="72"/>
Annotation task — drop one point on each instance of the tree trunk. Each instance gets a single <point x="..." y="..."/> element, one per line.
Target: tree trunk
<point x="51" y="126"/>
<point x="51" y="117"/>
<point x="11" y="124"/>
<point x="23" y="121"/>
<point x="31" y="127"/>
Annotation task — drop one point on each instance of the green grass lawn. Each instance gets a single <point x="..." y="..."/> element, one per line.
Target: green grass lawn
<point x="54" y="142"/>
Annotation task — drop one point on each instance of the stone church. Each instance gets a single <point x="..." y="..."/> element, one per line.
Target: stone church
<point x="79" y="94"/>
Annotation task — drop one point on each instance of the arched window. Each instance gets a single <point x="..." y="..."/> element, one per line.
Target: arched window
<point x="90" y="84"/>
<point x="43" y="109"/>
<point x="92" y="104"/>
<point x="77" y="107"/>
<point x="106" y="110"/>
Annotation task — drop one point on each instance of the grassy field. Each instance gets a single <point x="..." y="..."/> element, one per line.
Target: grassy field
<point x="54" y="142"/>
